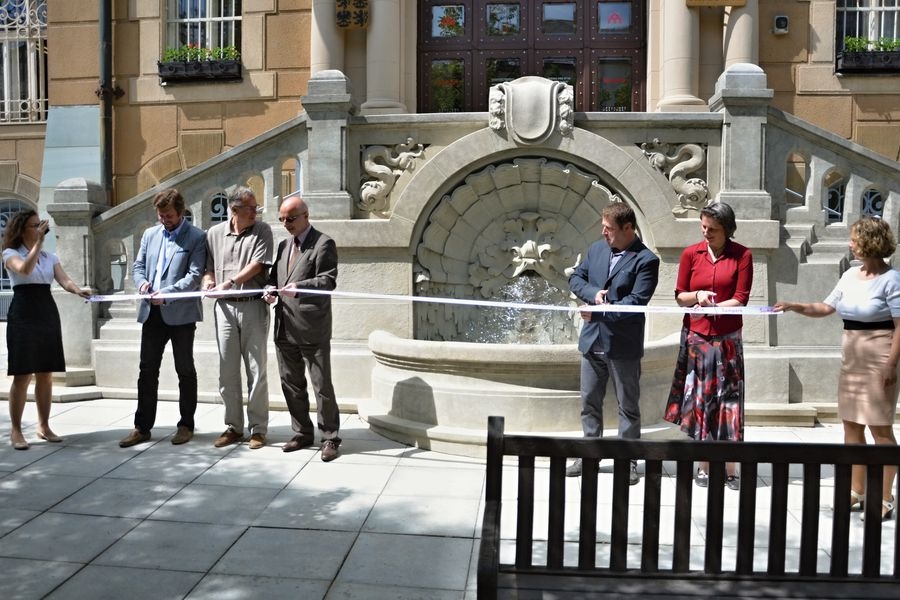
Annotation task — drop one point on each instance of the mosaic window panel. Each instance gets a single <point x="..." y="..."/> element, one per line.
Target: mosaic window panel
<point x="559" y="19"/>
<point x="503" y="19"/>
<point x="614" y="17"/>
<point x="448" y="21"/>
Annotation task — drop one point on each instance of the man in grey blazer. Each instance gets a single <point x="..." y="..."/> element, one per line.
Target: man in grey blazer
<point x="306" y="260"/>
<point x="619" y="269"/>
<point x="171" y="259"/>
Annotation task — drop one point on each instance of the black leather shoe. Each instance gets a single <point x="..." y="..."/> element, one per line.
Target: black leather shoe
<point x="298" y="442"/>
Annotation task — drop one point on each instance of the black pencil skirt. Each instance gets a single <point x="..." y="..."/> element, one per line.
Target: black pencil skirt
<point x="33" y="332"/>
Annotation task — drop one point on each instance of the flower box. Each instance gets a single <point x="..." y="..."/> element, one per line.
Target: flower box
<point x="871" y="61"/>
<point x="185" y="71"/>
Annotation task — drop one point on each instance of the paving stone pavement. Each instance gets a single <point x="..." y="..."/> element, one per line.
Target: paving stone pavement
<point x="87" y="519"/>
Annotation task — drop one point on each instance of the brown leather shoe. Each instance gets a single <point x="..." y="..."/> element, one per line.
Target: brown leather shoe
<point x="230" y="436"/>
<point x="257" y="441"/>
<point x="182" y="436"/>
<point x="135" y="437"/>
<point x="329" y="450"/>
<point x="298" y="442"/>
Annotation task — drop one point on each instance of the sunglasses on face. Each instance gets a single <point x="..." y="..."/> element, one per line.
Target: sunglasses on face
<point x="291" y="219"/>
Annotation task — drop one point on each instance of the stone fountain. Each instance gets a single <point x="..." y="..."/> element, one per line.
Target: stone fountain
<point x="511" y="231"/>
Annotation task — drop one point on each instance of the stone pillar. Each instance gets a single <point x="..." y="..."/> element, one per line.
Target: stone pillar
<point x="383" y="61"/>
<point x="326" y="45"/>
<point x="328" y="108"/>
<point x="681" y="58"/>
<point x="75" y="203"/>
<point x="742" y="34"/>
<point x="743" y="99"/>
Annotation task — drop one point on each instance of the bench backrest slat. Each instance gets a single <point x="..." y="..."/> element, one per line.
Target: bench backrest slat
<point x="746" y="540"/>
<point x="778" y="518"/>
<point x="556" y="518"/>
<point x="681" y="545"/>
<point x="618" y="538"/>
<point x="840" y="526"/>
<point x="715" y="508"/>
<point x="809" y="527"/>
<point x="652" y="505"/>
<point x="525" y="512"/>
<point x="587" y="531"/>
<point x="872" y="537"/>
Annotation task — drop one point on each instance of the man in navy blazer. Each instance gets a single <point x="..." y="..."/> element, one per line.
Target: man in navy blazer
<point x="618" y="270"/>
<point x="306" y="260"/>
<point x="171" y="259"/>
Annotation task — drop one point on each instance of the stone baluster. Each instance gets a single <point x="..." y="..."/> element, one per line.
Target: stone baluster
<point x="813" y="210"/>
<point x="75" y="203"/>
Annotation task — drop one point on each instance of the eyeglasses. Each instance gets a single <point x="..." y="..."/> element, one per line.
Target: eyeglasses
<point x="257" y="209"/>
<point x="292" y="219"/>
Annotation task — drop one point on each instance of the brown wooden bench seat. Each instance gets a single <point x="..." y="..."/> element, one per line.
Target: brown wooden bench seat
<point x="774" y="467"/>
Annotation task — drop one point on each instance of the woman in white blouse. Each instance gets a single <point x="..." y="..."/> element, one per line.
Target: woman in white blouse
<point x="867" y="298"/>
<point x="33" y="331"/>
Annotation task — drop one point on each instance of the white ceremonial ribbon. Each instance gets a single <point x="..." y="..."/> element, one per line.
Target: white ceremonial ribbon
<point x="624" y="308"/>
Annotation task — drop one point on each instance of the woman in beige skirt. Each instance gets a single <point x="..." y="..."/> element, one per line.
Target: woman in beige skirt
<point x="867" y="298"/>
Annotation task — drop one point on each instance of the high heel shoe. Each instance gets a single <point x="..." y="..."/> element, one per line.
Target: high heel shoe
<point x="857" y="501"/>
<point x="702" y="478"/>
<point x="887" y="510"/>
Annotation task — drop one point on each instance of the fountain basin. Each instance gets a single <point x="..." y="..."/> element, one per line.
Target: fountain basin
<point x="438" y="395"/>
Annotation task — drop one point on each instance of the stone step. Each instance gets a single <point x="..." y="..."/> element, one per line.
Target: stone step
<point x="119" y="329"/>
<point x="62" y="394"/>
<point x="773" y="414"/>
<point x="75" y="377"/>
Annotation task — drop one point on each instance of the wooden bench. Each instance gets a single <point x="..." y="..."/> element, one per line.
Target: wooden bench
<point x="776" y="468"/>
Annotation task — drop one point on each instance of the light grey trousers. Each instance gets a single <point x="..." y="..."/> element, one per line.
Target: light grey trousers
<point x="242" y="331"/>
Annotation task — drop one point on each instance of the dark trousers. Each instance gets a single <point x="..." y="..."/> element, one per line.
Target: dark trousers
<point x="154" y="337"/>
<point x="596" y="371"/>
<point x="293" y="360"/>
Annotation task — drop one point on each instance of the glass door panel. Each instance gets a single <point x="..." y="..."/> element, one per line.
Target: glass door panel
<point x="446" y="85"/>
<point x="614" y="85"/>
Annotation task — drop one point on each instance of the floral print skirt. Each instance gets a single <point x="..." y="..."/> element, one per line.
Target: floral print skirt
<point x="707" y="397"/>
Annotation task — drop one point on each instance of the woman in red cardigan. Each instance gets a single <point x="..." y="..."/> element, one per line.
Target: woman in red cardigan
<point x="707" y="396"/>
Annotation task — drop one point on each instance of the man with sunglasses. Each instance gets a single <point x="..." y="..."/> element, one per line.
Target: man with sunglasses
<point x="238" y="257"/>
<point x="307" y="259"/>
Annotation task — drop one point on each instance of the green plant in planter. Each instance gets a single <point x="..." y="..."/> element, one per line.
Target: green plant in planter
<point x="887" y="44"/>
<point x="193" y="52"/>
<point x="856" y="44"/>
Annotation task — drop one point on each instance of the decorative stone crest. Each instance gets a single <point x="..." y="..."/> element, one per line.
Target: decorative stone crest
<point x="531" y="109"/>
<point x="677" y="164"/>
<point x="384" y="165"/>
